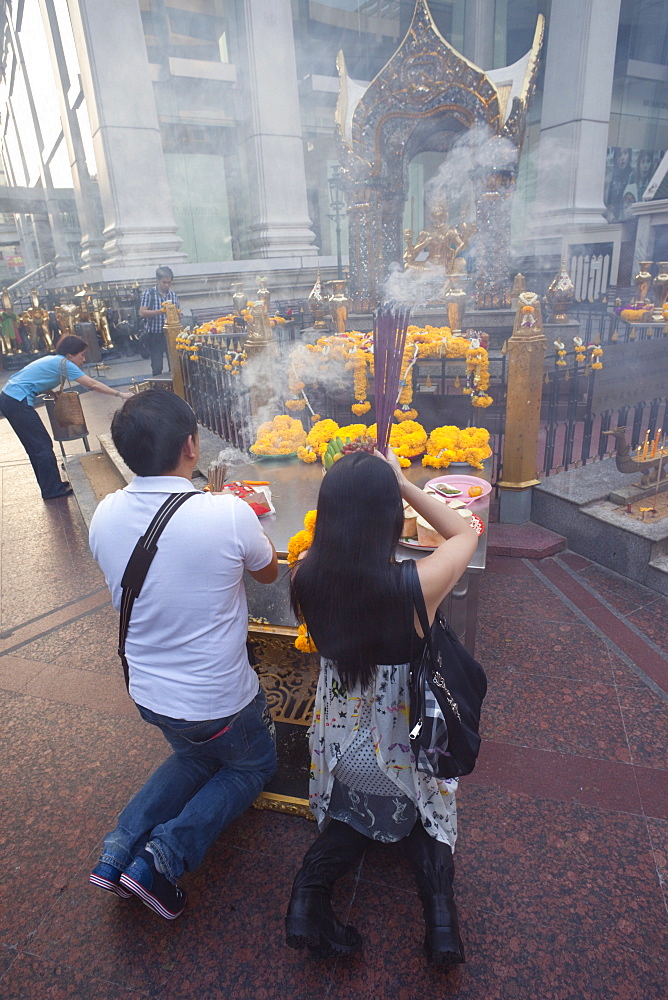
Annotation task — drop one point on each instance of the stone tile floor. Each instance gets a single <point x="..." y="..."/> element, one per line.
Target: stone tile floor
<point x="562" y="861"/>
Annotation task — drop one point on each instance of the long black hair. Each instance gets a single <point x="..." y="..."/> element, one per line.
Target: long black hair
<point x="346" y="588"/>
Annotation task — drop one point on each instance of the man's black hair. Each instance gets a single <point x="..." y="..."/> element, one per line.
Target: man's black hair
<point x="150" y="430"/>
<point x="164" y="272"/>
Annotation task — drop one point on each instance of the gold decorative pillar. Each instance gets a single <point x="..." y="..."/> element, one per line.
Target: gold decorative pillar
<point x="173" y="329"/>
<point x="526" y="361"/>
<point x="260" y="368"/>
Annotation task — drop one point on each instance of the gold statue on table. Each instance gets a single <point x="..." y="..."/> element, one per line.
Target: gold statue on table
<point x="443" y="243"/>
<point x="36" y="321"/>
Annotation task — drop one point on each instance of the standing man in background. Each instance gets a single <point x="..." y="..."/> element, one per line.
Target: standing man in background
<point x="151" y="310"/>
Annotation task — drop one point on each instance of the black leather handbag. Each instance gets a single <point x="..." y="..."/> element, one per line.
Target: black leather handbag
<point x="447" y="688"/>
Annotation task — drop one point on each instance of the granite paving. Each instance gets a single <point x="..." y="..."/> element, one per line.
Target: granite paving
<point x="562" y="857"/>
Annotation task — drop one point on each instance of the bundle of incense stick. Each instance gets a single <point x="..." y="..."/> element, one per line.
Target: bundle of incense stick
<point x="389" y="340"/>
<point x="216" y="475"/>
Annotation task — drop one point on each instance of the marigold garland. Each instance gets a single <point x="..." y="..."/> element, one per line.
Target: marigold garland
<point x="354" y="350"/>
<point x="304" y="643"/>
<point x="301" y="542"/>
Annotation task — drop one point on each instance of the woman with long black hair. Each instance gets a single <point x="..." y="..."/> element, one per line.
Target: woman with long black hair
<point x="364" y="786"/>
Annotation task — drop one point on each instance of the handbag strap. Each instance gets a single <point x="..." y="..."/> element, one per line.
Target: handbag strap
<point x="138" y="566"/>
<point x="416" y="602"/>
<point x="64" y="374"/>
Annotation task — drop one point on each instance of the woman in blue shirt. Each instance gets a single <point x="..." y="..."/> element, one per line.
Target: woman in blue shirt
<point x="17" y="401"/>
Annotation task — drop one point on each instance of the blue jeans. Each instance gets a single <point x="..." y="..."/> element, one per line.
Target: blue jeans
<point x="34" y="437"/>
<point x="217" y="770"/>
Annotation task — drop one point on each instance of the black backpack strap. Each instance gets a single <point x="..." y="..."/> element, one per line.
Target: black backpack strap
<point x="138" y="566"/>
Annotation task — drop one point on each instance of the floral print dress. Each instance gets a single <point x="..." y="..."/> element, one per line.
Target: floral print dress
<point x="362" y="768"/>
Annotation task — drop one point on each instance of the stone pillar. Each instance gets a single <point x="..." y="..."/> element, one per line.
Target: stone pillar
<point x="139" y="226"/>
<point x="85" y="196"/>
<point x="526" y="361"/>
<point x="479" y="32"/>
<point x="280" y="225"/>
<point x="575" y="117"/>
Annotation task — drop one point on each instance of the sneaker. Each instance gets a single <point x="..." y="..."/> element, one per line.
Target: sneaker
<point x="153" y="888"/>
<point x="107" y="877"/>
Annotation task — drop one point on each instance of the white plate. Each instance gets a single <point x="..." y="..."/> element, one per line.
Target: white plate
<point x="463" y="483"/>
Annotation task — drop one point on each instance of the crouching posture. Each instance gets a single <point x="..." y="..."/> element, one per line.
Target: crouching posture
<point x="364" y="784"/>
<point x="186" y="652"/>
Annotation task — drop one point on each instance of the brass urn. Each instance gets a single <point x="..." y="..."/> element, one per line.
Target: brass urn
<point x="338" y="305"/>
<point x="660" y="290"/>
<point x="560" y="295"/>
<point x="643" y="281"/>
<point x="455" y="304"/>
<point x="239" y="298"/>
<point x="263" y="293"/>
<point x="317" y="301"/>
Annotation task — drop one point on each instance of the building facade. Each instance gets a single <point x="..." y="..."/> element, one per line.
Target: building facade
<point x="200" y="133"/>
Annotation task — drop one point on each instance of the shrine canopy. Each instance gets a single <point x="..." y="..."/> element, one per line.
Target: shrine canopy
<point x="424" y="98"/>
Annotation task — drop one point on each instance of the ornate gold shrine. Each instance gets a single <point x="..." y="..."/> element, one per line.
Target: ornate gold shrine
<point x="424" y="99"/>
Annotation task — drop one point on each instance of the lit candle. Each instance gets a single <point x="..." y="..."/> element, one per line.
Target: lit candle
<point x="645" y="446"/>
<point x="655" y="443"/>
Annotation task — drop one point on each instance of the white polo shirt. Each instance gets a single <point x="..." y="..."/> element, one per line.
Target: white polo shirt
<point x="186" y="642"/>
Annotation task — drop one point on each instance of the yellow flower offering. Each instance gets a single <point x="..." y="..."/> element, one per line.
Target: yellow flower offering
<point x="281" y="436"/>
<point x="452" y="444"/>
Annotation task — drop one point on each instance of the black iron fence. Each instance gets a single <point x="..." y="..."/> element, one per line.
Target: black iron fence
<point x="216" y="393"/>
<point x="574" y="417"/>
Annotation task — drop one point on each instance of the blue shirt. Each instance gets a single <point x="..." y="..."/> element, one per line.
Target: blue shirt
<point x="39" y="376"/>
<point x="153" y="299"/>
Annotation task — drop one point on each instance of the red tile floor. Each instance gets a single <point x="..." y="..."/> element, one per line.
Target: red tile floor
<point x="562" y="860"/>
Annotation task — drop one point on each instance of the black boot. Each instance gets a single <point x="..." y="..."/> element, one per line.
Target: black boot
<point x="310" y="919"/>
<point x="434" y="869"/>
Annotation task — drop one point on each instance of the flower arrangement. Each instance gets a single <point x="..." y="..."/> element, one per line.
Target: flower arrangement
<point x="596" y="355"/>
<point x="452" y="444"/>
<point x="281" y="436"/>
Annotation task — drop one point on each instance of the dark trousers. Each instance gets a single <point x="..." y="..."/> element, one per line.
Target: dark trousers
<point x="35" y="439"/>
<point x="158" y="348"/>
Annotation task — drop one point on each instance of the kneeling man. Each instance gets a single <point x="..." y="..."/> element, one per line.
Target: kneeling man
<point x="186" y="649"/>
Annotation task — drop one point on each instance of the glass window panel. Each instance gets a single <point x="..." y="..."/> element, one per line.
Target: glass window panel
<point x="38" y="67"/>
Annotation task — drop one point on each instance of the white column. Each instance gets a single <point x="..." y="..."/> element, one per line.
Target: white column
<point x="575" y="118"/>
<point x="139" y="226"/>
<point x="280" y="225"/>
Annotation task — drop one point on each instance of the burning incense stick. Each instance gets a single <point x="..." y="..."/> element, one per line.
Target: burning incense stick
<point x="389" y="340"/>
<point x="216" y="475"/>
